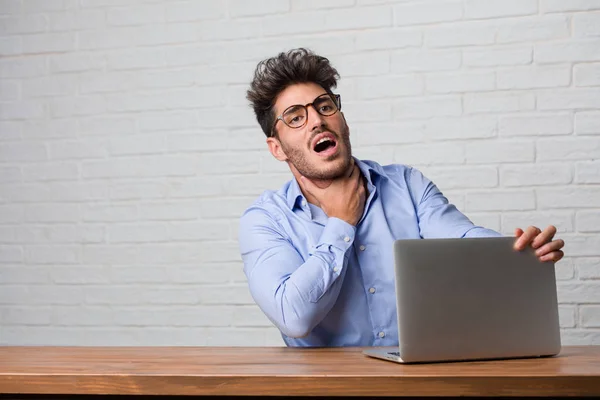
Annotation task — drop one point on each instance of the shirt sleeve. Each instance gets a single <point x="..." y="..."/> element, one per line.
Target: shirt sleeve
<point x="295" y="293"/>
<point x="437" y="217"/>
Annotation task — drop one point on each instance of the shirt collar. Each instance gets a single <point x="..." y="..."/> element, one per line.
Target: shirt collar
<point x="295" y="196"/>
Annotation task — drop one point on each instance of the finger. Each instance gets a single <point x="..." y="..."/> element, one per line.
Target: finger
<point x="518" y="232"/>
<point x="527" y="237"/>
<point x="553" y="256"/>
<point x="550" y="247"/>
<point x="544" y="237"/>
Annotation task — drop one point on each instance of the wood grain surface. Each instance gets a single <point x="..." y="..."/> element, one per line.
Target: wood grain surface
<point x="276" y="371"/>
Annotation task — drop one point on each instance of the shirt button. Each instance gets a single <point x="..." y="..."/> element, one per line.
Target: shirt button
<point x="382" y="334"/>
<point x="372" y="290"/>
<point x="347" y="239"/>
<point x="336" y="269"/>
<point x="362" y="247"/>
<point x="303" y="203"/>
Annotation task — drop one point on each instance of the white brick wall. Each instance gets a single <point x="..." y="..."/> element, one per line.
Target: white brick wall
<point x="127" y="150"/>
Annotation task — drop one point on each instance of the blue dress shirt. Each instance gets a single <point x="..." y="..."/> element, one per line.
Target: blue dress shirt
<point x="324" y="282"/>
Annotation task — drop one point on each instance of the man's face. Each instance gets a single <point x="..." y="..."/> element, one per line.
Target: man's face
<point x="321" y="148"/>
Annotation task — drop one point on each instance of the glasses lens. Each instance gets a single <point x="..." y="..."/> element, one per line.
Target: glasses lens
<point x="295" y="116"/>
<point x="325" y="105"/>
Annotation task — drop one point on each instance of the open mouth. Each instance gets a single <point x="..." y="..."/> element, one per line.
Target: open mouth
<point x="324" y="144"/>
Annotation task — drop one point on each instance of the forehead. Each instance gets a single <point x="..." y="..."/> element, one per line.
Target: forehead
<point x="298" y="93"/>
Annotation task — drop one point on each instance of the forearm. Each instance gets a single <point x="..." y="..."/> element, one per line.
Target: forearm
<point x="296" y="294"/>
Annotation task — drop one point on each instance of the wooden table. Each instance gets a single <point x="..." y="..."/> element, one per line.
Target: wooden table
<point x="36" y="372"/>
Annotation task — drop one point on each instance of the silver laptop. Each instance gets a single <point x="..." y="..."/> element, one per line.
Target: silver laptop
<point x="472" y="299"/>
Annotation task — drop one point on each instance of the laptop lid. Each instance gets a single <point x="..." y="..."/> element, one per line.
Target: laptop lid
<point x="474" y="298"/>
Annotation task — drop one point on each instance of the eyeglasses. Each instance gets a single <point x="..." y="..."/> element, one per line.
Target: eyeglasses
<point x="296" y="116"/>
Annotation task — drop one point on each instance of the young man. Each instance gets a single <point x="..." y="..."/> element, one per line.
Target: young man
<point x="318" y="252"/>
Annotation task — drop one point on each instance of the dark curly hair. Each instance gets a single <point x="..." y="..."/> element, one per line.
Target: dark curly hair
<point x="275" y="74"/>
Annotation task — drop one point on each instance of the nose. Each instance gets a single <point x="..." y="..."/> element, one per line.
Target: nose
<point x="314" y="119"/>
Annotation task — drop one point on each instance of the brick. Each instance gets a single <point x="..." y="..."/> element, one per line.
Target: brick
<point x="486" y="220"/>
<point x="375" y="63"/>
<point x="76" y="20"/>
<point x="230" y="29"/>
<point x="587" y="172"/>
<point x="138" y="144"/>
<point x="474" y="103"/>
<point x="462" y="82"/>
<point x="168" y="120"/>
<point x="586" y="24"/>
<point x="168" y="211"/>
<point x="195" y="10"/>
<point x="148" y="166"/>
<point x="562" y="220"/>
<point x="52" y="254"/>
<point x="582" y="245"/>
<point x="33" y="23"/>
<point x="573" y="5"/>
<point x="254" y="185"/>
<point x="106" y="82"/>
<point x="588" y="221"/>
<point x="570" y="51"/>
<point x="11" y="254"/>
<point x="23" y="110"/>
<point x="241" y="8"/>
<point x="448" y="178"/>
<point x="209" y="273"/>
<point x="76" y="62"/>
<point x="107" y="125"/>
<point x="11" y="130"/>
<point x="494" y="151"/>
<point x="140" y="14"/>
<point x="176" y="316"/>
<point x="573" y="197"/>
<point x="538" y="28"/>
<point x="567" y="316"/>
<point x="535" y="175"/>
<point x="427" y="107"/>
<point x="109" y="212"/>
<point x="207" y="141"/>
<point x="500" y="200"/>
<point x="568" y="99"/>
<point x="385" y="134"/>
<point x="541" y="124"/>
<point x="460" y="34"/>
<point x="11" y="213"/>
<point x="564" y="270"/>
<point x="27" y="67"/>
<point x="138" y="190"/>
<point x="172" y="99"/>
<point x="23" y="151"/>
<point x="137" y="233"/>
<point x="75" y="316"/>
<point x="367" y="112"/>
<point x="193" y="231"/>
<point x="11" y="7"/>
<point x="587" y="122"/>
<point x="389" y="86"/>
<point x="25" y="315"/>
<point x="359" y="18"/>
<point x="426" y="13"/>
<point x="78" y="149"/>
<point x="77" y="105"/>
<point x="98" y="254"/>
<point x="10" y="91"/>
<point x="303" y="5"/>
<point x="10" y="174"/>
<point x="590" y="316"/>
<point x="588" y="267"/>
<point x="11" y="45"/>
<point x="424" y="60"/>
<point x="229" y="163"/>
<point x="570" y="293"/>
<point x="567" y="149"/>
<point x="59" y="171"/>
<point x="50" y="86"/>
<point x="534" y="77"/>
<point x="390" y="38"/>
<point x="460" y="128"/>
<point x="586" y="74"/>
<point x="49" y="42"/>
<point x="507" y="8"/>
<point x="502" y="56"/>
<point x="289" y="24"/>
<point x="195" y="187"/>
<point x="135" y="59"/>
<point x="47" y="234"/>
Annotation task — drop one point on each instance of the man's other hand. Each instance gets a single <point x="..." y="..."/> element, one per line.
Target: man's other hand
<point x="546" y="249"/>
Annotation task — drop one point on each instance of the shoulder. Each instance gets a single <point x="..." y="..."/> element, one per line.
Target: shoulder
<point x="268" y="208"/>
<point x="397" y="173"/>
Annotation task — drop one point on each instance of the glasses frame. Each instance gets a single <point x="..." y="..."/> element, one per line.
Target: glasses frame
<point x="337" y="99"/>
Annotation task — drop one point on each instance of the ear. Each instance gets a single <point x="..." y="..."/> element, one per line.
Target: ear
<point x="276" y="149"/>
<point x="345" y="123"/>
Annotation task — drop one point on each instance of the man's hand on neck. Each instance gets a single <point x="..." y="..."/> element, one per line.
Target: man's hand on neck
<point x="342" y="198"/>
